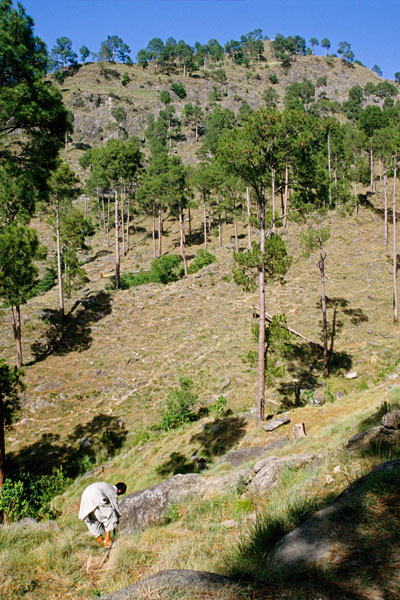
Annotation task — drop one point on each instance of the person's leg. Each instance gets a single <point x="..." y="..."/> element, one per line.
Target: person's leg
<point x="95" y="527"/>
<point x="109" y="520"/>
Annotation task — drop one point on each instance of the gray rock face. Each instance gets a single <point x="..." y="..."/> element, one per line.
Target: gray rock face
<point x="147" y="507"/>
<point x="238" y="457"/>
<point x="376" y="435"/>
<point x="275" y="423"/>
<point x="391" y="419"/>
<point x="318" y="537"/>
<point x="268" y="469"/>
<point x="175" y="581"/>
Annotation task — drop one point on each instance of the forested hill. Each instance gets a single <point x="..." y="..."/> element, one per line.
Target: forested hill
<point x="115" y="100"/>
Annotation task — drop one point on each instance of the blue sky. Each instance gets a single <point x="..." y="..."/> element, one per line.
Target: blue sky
<point x="371" y="26"/>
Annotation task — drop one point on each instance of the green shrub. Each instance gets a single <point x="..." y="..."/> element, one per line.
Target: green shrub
<point x="45" y="284"/>
<point x="219" y="408"/>
<point x="202" y="259"/>
<point x="179" y="90"/>
<point x="163" y="270"/>
<point x="178" y="408"/>
<point x="31" y="495"/>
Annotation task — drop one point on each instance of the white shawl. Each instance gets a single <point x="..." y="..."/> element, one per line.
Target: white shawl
<point x="98" y="494"/>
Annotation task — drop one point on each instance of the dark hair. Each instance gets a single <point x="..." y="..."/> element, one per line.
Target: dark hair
<point x="121" y="487"/>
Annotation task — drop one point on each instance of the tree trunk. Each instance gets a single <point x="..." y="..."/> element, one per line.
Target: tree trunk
<point x="371" y="164"/>
<point x="153" y="231"/>
<point x="329" y="171"/>
<point x="273" y="200"/>
<point x="219" y="230"/>
<point x="395" y="304"/>
<point x="159" y="231"/>
<point x="205" y="223"/>
<point x="16" y="326"/>
<point x="98" y="206"/>
<point x="248" y="219"/>
<point x="261" y="332"/>
<point x="127" y="223"/>
<point x="108" y="220"/>
<point x="123" y="221"/>
<point x="286" y="196"/>
<point x="182" y="239"/>
<point x="103" y="212"/>
<point x="321" y="266"/>
<point x="117" y="263"/>
<point x="59" y="271"/>
<point x="385" y="206"/>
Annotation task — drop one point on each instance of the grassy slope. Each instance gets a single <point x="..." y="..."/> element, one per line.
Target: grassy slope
<point x="125" y="349"/>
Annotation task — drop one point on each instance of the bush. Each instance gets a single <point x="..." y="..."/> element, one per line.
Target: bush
<point x="31" y="495"/>
<point x="202" y="259"/>
<point x="179" y="90"/>
<point x="164" y="270"/>
<point x="178" y="408"/>
<point x="45" y="284"/>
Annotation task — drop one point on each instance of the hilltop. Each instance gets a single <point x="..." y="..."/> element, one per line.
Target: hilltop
<point x="95" y="90"/>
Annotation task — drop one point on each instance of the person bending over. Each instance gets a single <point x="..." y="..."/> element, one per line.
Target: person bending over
<point x="99" y="509"/>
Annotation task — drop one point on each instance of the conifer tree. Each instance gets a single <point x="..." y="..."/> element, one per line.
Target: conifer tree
<point x="18" y="250"/>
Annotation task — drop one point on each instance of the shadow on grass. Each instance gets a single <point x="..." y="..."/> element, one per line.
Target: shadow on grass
<point x="305" y="363"/>
<point x="73" y="333"/>
<point x="335" y="325"/>
<point x="177" y="463"/>
<point x="95" y="441"/>
<point x="217" y="437"/>
<point x="362" y="526"/>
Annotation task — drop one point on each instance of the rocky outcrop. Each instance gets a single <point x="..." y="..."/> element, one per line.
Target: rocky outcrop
<point x="320" y="536"/>
<point x="185" y="583"/>
<point x="238" y="457"/>
<point x="387" y="434"/>
<point x="148" y="506"/>
<point x="267" y="471"/>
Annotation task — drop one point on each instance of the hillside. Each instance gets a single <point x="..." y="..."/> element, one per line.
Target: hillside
<point x="96" y="89"/>
<point x="95" y="394"/>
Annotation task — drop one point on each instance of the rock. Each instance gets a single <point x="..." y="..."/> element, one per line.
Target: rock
<point x="275" y="423"/>
<point x="148" y="506"/>
<point x="391" y="419"/>
<point x="224" y="385"/>
<point x="268" y="469"/>
<point x="176" y="581"/>
<point x="318" y="538"/>
<point x="339" y="395"/>
<point x="351" y="375"/>
<point x="364" y="438"/>
<point x="85" y="442"/>
<point x="30" y="523"/>
<point x="377" y="435"/>
<point x="238" y="457"/>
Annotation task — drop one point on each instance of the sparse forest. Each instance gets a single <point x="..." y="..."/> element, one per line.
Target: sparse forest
<point x="218" y="216"/>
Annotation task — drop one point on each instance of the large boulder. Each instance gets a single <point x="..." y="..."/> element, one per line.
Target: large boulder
<point x="185" y="583"/>
<point x="147" y="507"/>
<point x="267" y="471"/>
<point x="376" y="436"/>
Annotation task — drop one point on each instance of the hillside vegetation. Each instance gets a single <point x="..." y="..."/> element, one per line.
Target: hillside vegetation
<point x="97" y="382"/>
